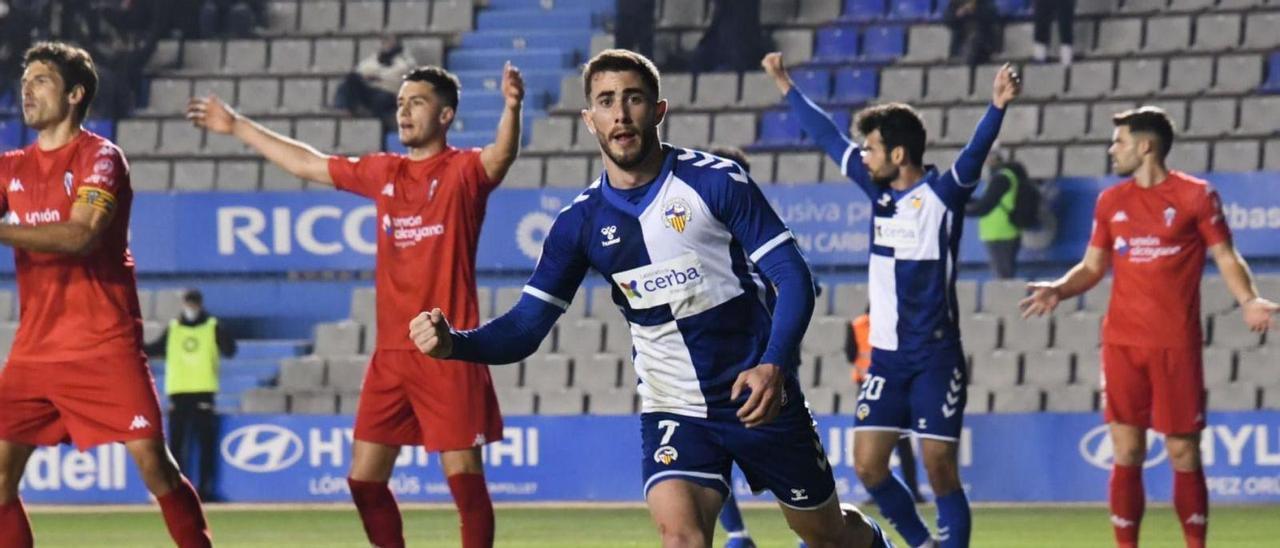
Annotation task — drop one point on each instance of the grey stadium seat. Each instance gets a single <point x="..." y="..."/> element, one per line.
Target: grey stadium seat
<point x="1088" y="371"/>
<point x="796" y="45"/>
<point x="274" y="178"/>
<point x="1078" y="331"/>
<point x="775" y="12"/>
<point x="1144" y="6"/>
<point x="1100" y="116"/>
<point x="166" y="55"/>
<point x="290" y="56"/>
<point x="1261" y="365"/>
<point x="1048" y="369"/>
<point x="1271" y="397"/>
<point x="1084" y="161"/>
<point x="452" y="15"/>
<point x="678" y="89"/>
<point x="1139" y="77"/>
<point x="1189" y="75"/>
<point x="1018" y="41"/>
<point x="825" y="334"/>
<point x="1262" y="30"/>
<point x="313" y="403"/>
<point x="717" y="89"/>
<point x="1219" y="367"/>
<point x="1119" y="36"/>
<point x="1215" y="298"/>
<point x="734" y="129"/>
<point x="318" y="132"/>
<point x="960" y="124"/>
<point x="1230" y="331"/>
<point x="1016" y="399"/>
<point x="967" y="296"/>
<point x="758" y="90"/>
<point x="337" y="338"/>
<point x="263" y="400"/>
<point x="995" y="370"/>
<point x="193" y="174"/>
<point x="566" y="171"/>
<point x="363" y="17"/>
<point x="1259" y="115"/>
<point x="617" y="337"/>
<point x="1240" y="396"/>
<point x="359" y="135"/>
<point x="1169" y="34"/>
<point x="762" y="167"/>
<point x="927" y="43"/>
<point x="515" y="401"/>
<point x="818" y="11"/>
<point x="169" y="95"/>
<point x="167" y="303"/>
<point x="546" y="372"/>
<point x="1001" y="297"/>
<point x="347" y="373"/>
<point x="525" y="172"/>
<point x="831" y="371"/>
<point x="1271" y="155"/>
<point x="302" y="373"/>
<point x="320" y="17"/>
<point x="426" y="50"/>
<point x="1236" y="156"/>
<point x="246" y="56"/>
<point x="1190" y="156"/>
<point x="1043" y="81"/>
<point x="1212" y="117"/>
<point x="259" y="95"/>
<point x="282" y="17"/>
<point x="799" y="167"/>
<point x="505" y="376"/>
<point x="978" y="401"/>
<point x="1028" y="334"/>
<point x="1191" y="5"/>
<point x="694" y="130"/>
<point x="613" y="401"/>
<point x="946" y="84"/>
<point x="334" y="55"/>
<point x="1021" y="124"/>
<point x="676" y="13"/>
<point x="553" y="133"/>
<point x="363" y="305"/>
<point x="596" y="372"/>
<point x="138" y="135"/>
<point x="1041" y="161"/>
<point x="824" y="400"/>
<point x="236" y="175"/>
<point x="564" y="401"/>
<point x="202" y="56"/>
<point x="980" y="332"/>
<point x="221" y="87"/>
<point x="306" y="95"/>
<point x="1090" y="79"/>
<point x="407" y="16"/>
<point x="1069" y="399"/>
<point x="904" y="83"/>
<point x="150" y="175"/>
<point x="1217" y="32"/>
<point x="583" y="337"/>
<point x="850" y="300"/>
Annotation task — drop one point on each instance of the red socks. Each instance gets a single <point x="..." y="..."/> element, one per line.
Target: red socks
<point x="184" y="517"/>
<point x="15" y="529"/>
<point x="475" y="510"/>
<point x="1127" y="502"/>
<point x="1191" y="500"/>
<point x="379" y="513"/>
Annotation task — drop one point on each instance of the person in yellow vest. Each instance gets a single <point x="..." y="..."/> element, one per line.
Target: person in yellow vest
<point x="194" y="344"/>
<point x="857" y="350"/>
<point x="993" y="208"/>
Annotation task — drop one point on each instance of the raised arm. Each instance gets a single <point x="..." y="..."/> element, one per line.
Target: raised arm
<point x="968" y="166"/>
<point x="498" y="155"/>
<point x="296" y="157"/>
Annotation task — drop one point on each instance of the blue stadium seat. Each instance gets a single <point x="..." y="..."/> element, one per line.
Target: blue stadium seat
<point x="1272" y="83"/>
<point x="469" y="139"/>
<point x="533" y="19"/>
<point x="11" y="133"/>
<point x="105" y="128"/>
<point x="913" y="10"/>
<point x="883" y="43"/>
<point x="391" y="143"/>
<point x="855" y="85"/>
<point x="8" y="104"/>
<point x="603" y="7"/>
<point x="577" y="39"/>
<point x="493" y="58"/>
<point x="836" y="44"/>
<point x="863" y="10"/>
<point x="814" y="82"/>
<point x="1013" y="8"/>
<point x="778" y="128"/>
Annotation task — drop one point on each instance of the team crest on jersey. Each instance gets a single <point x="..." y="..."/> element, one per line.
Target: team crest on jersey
<point x="916" y="202"/>
<point x="1121" y="246"/>
<point x="386" y="224"/>
<point x="67" y="180"/>
<point x="863" y="411"/>
<point x="1169" y="213"/>
<point x="676" y="214"/>
<point x="666" y="455"/>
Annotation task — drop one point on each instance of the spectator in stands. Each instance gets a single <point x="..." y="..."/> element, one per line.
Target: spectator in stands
<point x="1044" y="13"/>
<point x="18" y="19"/>
<point x="857" y="350"/>
<point x="230" y="18"/>
<point x="371" y="88"/>
<point x="634" y="29"/>
<point x="995" y="228"/>
<point x="734" y="40"/>
<point x="193" y="345"/>
<point x="973" y="29"/>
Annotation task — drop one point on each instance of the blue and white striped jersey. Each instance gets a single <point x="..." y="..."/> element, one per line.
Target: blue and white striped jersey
<point x="915" y="234"/>
<point x="681" y="266"/>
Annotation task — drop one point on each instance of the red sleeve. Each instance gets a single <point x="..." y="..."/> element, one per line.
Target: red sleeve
<point x="99" y="177"/>
<point x="364" y="175"/>
<point x="472" y="170"/>
<point x="1101" y="236"/>
<point x="1210" y="221"/>
<point x="5" y="175"/>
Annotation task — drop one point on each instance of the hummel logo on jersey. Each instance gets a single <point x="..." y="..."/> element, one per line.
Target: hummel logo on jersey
<point x="1120" y="216"/>
<point x="1197" y="519"/>
<point x="139" y="422"/>
<point x="1121" y="522"/>
<point x="798" y="495"/>
<point x="884" y="199"/>
<point x="15" y="185"/>
<point x="389" y="190"/>
<point x="610" y="234"/>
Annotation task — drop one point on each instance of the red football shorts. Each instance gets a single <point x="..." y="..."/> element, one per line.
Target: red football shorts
<point x="411" y="399"/>
<point x="1157" y="388"/>
<point x="86" y="402"/>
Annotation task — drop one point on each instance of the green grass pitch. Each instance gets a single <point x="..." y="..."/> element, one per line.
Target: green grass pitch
<point x="563" y="527"/>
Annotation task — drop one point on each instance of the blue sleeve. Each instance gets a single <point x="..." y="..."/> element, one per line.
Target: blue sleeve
<point x="737" y="202"/>
<point x="509" y="338"/>
<point x="555" y="280"/>
<point x="818" y="125"/>
<point x="787" y="269"/>
<point x="955" y="186"/>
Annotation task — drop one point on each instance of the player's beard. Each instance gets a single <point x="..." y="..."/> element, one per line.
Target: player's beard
<point x="1124" y="170"/>
<point x="648" y="140"/>
<point x="884" y="177"/>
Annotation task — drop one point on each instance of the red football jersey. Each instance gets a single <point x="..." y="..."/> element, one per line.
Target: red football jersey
<point x="429" y="217"/>
<point x="1157" y="238"/>
<point x="72" y="308"/>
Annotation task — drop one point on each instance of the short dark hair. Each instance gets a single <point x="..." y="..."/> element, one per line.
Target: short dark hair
<point x="193" y="296"/>
<point x="621" y="60"/>
<point x="447" y="86"/>
<point x="899" y="125"/>
<point x="733" y="153"/>
<point x="74" y="65"/>
<point x="1150" y="120"/>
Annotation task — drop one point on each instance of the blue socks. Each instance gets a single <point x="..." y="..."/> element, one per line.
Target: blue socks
<point x="731" y="517"/>
<point x="954" y="520"/>
<point x="897" y="505"/>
